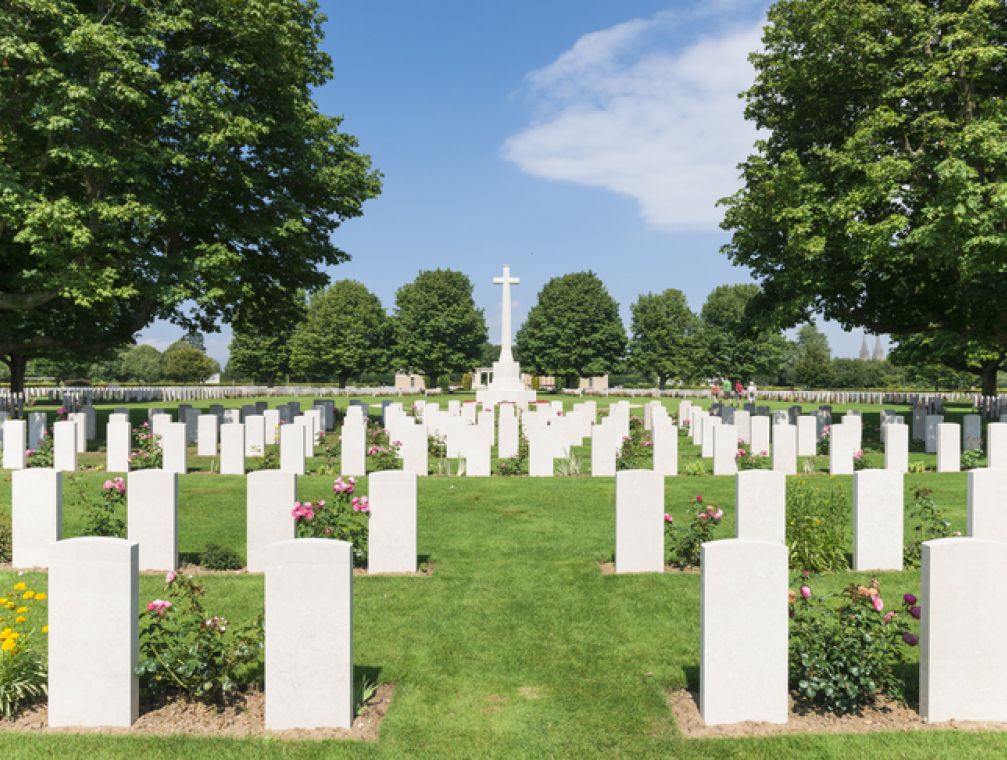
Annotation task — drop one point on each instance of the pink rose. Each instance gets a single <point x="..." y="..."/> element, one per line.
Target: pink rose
<point x="877" y="603"/>
<point x="668" y="518"/>
<point x="170" y="577"/>
<point x="805" y="592"/>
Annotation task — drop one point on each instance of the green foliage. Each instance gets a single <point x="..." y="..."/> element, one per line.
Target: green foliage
<point x="6" y="537"/>
<point x="637" y="451"/>
<point x="105" y="514"/>
<point x="811" y="357"/>
<point x="260" y="353"/>
<point x="928" y="523"/>
<point x="142" y="364"/>
<point x="382" y="453"/>
<point x="875" y="196"/>
<point x="746" y="459"/>
<point x="24" y="679"/>
<point x="184" y="363"/>
<point x="217" y="557"/>
<point x="971" y="459"/>
<point x="163" y="160"/>
<point x="733" y="346"/>
<point x="683" y="546"/>
<point x="843" y="658"/>
<point x="147" y="453"/>
<point x="696" y="469"/>
<point x="344" y="334"/>
<point x="438" y="329"/>
<point x="573" y="331"/>
<point x="43" y="456"/>
<point x="665" y="337"/>
<point x="344" y="517"/>
<point x="184" y="650"/>
<point x="817" y="526"/>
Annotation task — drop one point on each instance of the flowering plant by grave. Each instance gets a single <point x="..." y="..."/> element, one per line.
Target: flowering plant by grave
<point x="747" y="460"/>
<point x="382" y="453"/>
<point x="23" y="667"/>
<point x="517" y="465"/>
<point x="106" y="514"/>
<point x="683" y="545"/>
<point x="43" y="455"/>
<point x="822" y="447"/>
<point x="186" y="651"/>
<point x="859" y="460"/>
<point x="637" y="448"/>
<point x="929" y="522"/>
<point x="843" y="657"/>
<point x="62" y="414"/>
<point x="818" y="520"/>
<point x="343" y="517"/>
<point x="147" y="453"/>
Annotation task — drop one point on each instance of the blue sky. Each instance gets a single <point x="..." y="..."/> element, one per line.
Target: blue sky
<point x="552" y="136"/>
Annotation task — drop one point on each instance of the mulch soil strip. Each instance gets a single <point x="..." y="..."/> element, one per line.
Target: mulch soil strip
<point x="886" y="716"/>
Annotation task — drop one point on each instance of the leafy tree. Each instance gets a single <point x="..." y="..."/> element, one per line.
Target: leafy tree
<point x="344" y="334"/>
<point x="195" y="339"/>
<point x="736" y="347"/>
<point x="573" y="331"/>
<point x="142" y="364"/>
<point x="962" y="356"/>
<point x="437" y="327"/>
<point x="876" y="197"/>
<point x="185" y="364"/>
<point x="163" y="159"/>
<point x="262" y="357"/>
<point x="664" y="336"/>
<point x="811" y="358"/>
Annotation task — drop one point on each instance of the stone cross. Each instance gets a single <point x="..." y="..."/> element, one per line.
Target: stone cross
<point x="505" y="325"/>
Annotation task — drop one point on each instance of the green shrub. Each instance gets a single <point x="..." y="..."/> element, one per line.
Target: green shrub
<point x="817" y="527"/>
<point x="217" y="557"/>
<point x="6" y="538"/>
<point x="42" y="456"/>
<point x="105" y="515"/>
<point x="344" y="517"/>
<point x="928" y="521"/>
<point x="147" y="453"/>
<point x="515" y="465"/>
<point x="747" y="460"/>
<point x="697" y="469"/>
<point x="971" y="459"/>
<point x="683" y="546"/>
<point x="637" y="449"/>
<point x="184" y="650"/>
<point x="842" y="658"/>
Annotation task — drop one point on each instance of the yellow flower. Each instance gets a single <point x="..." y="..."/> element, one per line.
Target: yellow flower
<point x="21" y="610"/>
<point x="40" y="597"/>
<point x="45" y="629"/>
<point x="8" y="645"/>
<point x="10" y="605"/>
<point x="20" y="586"/>
<point x="6" y="632"/>
<point x="20" y="619"/>
<point x="28" y="595"/>
<point x="3" y="600"/>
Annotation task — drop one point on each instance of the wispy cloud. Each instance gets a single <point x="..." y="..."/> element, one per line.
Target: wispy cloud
<point x="649" y="109"/>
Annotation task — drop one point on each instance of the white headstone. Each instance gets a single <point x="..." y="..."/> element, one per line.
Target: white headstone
<point x="996" y="445"/>
<point x="972" y="432"/>
<point x="949" y="454"/>
<point x="507" y="446"/>
<point x="785" y="448"/>
<point x="725" y="450"/>
<point x="709" y="423"/>
<point x="639" y="522"/>
<point x="118" y="442"/>
<point x="987" y="504"/>
<point x="271" y="420"/>
<point x="760" y="436"/>
<point x="309" y="677"/>
<point x="79" y="420"/>
<point x="36" y="515"/>
<point x="743" y="632"/>
<point x="931" y="421"/>
<point x="897" y="447"/>
<point x="292" y="449"/>
<point x="541" y="451"/>
<point x="841" y="448"/>
<point x="665" y="446"/>
<point x="878" y="516"/>
<point x="743" y="422"/>
<point x="963" y="662"/>
<point x="173" y="447"/>
<point x="64" y="446"/>
<point x="269" y="505"/>
<point x="206" y="435"/>
<point x="807" y="435"/>
<point x="36" y="429"/>
<point x="232" y="448"/>
<point x="152" y="504"/>
<point x="15" y="436"/>
<point x="93" y="633"/>
<point x="761" y="496"/>
<point x="391" y="536"/>
<point x="354" y="447"/>
<point x="255" y="435"/>
<point x="603" y="450"/>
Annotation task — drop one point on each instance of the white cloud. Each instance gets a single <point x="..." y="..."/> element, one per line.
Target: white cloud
<point x="633" y="110"/>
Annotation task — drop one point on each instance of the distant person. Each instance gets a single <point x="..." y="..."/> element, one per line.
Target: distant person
<point x="715" y="391"/>
<point x="752" y="390"/>
<point x="738" y="389"/>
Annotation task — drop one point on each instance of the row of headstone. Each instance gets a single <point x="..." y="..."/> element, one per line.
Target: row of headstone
<point x="152" y="517"/>
<point x="94" y="601"/>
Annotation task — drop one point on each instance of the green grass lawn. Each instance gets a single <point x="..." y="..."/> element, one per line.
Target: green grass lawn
<point x="517" y="646"/>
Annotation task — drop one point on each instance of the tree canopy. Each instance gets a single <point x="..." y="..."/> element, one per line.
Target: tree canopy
<point x="185" y="363"/>
<point x="877" y="194"/>
<point x="735" y="347"/>
<point x="345" y="333"/>
<point x="574" y="330"/>
<point x="437" y="327"/>
<point x="665" y="336"/>
<point x="163" y="160"/>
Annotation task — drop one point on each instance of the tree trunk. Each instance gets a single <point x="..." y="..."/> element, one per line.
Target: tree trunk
<point x="344" y="378"/>
<point x="989" y="378"/>
<point x="661" y="380"/>
<point x="18" y="369"/>
<point x="569" y="381"/>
